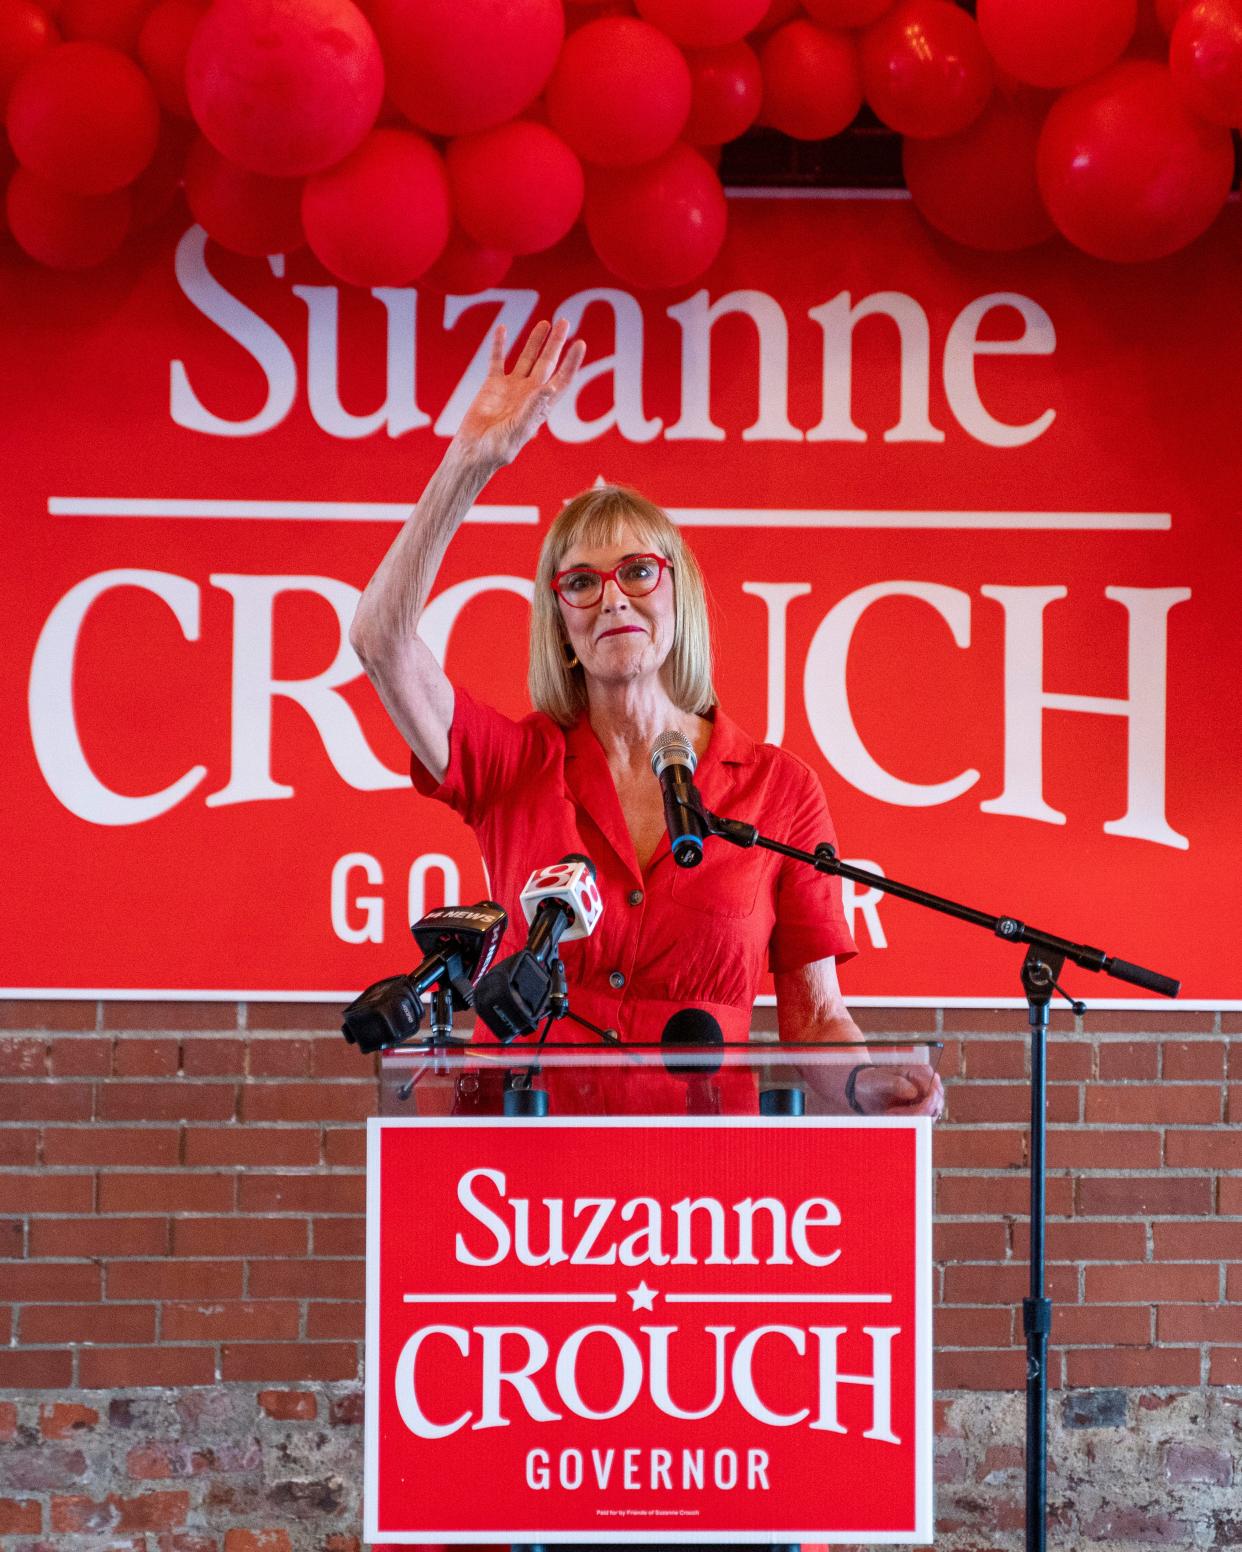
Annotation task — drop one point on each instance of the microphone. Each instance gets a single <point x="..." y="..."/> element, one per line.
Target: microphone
<point x="695" y="1027"/>
<point x="458" y="944"/>
<point x="561" y="903"/>
<point x="673" y="760"/>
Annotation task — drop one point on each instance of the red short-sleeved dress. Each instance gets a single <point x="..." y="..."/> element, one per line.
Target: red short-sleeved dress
<point x="669" y="937"/>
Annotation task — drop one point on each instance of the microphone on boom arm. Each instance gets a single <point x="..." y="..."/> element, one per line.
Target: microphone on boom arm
<point x="561" y="903"/>
<point x="458" y="944"/>
<point x="673" y="760"/>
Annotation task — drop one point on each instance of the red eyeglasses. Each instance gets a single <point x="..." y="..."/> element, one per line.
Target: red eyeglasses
<point x="636" y="575"/>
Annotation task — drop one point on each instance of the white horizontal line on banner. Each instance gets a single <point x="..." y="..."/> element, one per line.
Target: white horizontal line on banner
<point x="760" y="517"/>
<point x="688" y="517"/>
<point x="283" y="511"/>
<point x="765" y="1000"/>
<point x="778" y="1298"/>
<point x="210" y="994"/>
<point x="509" y="1298"/>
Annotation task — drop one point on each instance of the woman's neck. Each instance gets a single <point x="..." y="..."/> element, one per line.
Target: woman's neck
<point x="628" y="718"/>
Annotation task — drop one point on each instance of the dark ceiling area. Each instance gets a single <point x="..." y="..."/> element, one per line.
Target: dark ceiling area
<point x="866" y="156"/>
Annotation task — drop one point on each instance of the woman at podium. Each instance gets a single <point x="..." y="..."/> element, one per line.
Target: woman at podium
<point x="620" y="654"/>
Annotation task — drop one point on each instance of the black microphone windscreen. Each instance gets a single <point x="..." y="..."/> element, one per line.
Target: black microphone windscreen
<point x="580" y="856"/>
<point x="692" y="1027"/>
<point x="512" y="999"/>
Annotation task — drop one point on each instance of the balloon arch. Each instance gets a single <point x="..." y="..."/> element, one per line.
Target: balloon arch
<point x="434" y="140"/>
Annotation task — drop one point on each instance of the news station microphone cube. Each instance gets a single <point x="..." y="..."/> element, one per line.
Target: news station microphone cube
<point x="570" y="882"/>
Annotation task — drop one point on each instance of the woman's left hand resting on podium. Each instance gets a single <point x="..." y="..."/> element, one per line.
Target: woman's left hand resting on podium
<point x="619" y="654"/>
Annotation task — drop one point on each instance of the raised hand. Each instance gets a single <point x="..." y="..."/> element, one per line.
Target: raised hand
<point x="511" y="406"/>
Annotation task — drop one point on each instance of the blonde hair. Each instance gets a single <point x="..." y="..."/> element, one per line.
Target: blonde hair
<point x="595" y="518"/>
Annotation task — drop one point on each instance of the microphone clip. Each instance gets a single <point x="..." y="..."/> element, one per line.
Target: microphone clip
<point x="558" y="995"/>
<point x="736" y="831"/>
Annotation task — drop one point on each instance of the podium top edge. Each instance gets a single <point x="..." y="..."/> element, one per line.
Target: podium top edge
<point x="762" y="1049"/>
<point x="757" y="1056"/>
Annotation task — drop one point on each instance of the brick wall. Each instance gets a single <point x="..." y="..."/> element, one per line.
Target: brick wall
<point x="181" y="1233"/>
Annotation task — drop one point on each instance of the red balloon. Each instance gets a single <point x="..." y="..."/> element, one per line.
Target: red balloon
<point x="925" y="69"/>
<point x="620" y="94"/>
<point x="726" y="89"/>
<point x="517" y="188"/>
<point x="658" y="225"/>
<point x="703" y="23"/>
<point x="25" y="30"/>
<point x="455" y="68"/>
<point x="83" y="116"/>
<point x="978" y="187"/>
<point x="1206" y="59"/>
<point x="243" y="211"/>
<point x="465" y="268"/>
<point x="284" y="87"/>
<point x="382" y="216"/>
<point x="115" y="22"/>
<point x="812" y="84"/>
<point x="65" y="231"/>
<point x="847" y="13"/>
<point x="1126" y="170"/>
<point x="1056" y="42"/>
<point x="163" y="45"/>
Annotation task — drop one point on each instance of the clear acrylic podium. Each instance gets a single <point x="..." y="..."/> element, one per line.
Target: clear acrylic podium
<point x="763" y="1076"/>
<point x="454" y="1090"/>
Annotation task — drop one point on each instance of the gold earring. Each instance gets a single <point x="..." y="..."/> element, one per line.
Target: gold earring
<point x="571" y="657"/>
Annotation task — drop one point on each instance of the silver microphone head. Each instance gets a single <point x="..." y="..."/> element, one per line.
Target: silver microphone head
<point x="672" y="748"/>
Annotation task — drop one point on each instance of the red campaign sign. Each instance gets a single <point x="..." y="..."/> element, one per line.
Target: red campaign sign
<point x="641" y="1331"/>
<point x="968" y="521"/>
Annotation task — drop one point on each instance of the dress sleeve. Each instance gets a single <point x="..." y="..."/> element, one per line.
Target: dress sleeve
<point x="810" y="919"/>
<point x="488" y="752"/>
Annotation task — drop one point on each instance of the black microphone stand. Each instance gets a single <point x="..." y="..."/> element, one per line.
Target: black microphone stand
<point x="521" y="1096"/>
<point x="1046" y="954"/>
<point x="445" y="996"/>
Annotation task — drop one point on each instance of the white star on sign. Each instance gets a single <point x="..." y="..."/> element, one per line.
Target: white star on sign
<point x="643" y="1297"/>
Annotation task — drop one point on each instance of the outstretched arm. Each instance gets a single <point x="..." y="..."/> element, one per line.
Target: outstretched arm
<point x="506" y="413"/>
<point x="809" y="1006"/>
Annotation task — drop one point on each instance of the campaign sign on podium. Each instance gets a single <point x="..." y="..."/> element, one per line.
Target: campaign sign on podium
<point x="648" y="1329"/>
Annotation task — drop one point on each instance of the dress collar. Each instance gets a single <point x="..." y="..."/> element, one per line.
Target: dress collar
<point x="589" y="779"/>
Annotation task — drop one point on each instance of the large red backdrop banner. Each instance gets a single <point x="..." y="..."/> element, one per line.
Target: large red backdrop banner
<point x="969" y="524"/>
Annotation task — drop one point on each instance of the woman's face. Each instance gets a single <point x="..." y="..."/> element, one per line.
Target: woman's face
<point x="619" y="639"/>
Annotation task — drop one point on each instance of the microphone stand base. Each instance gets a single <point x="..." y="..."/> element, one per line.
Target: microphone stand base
<point x="782" y="1102"/>
<point x="525" y="1102"/>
